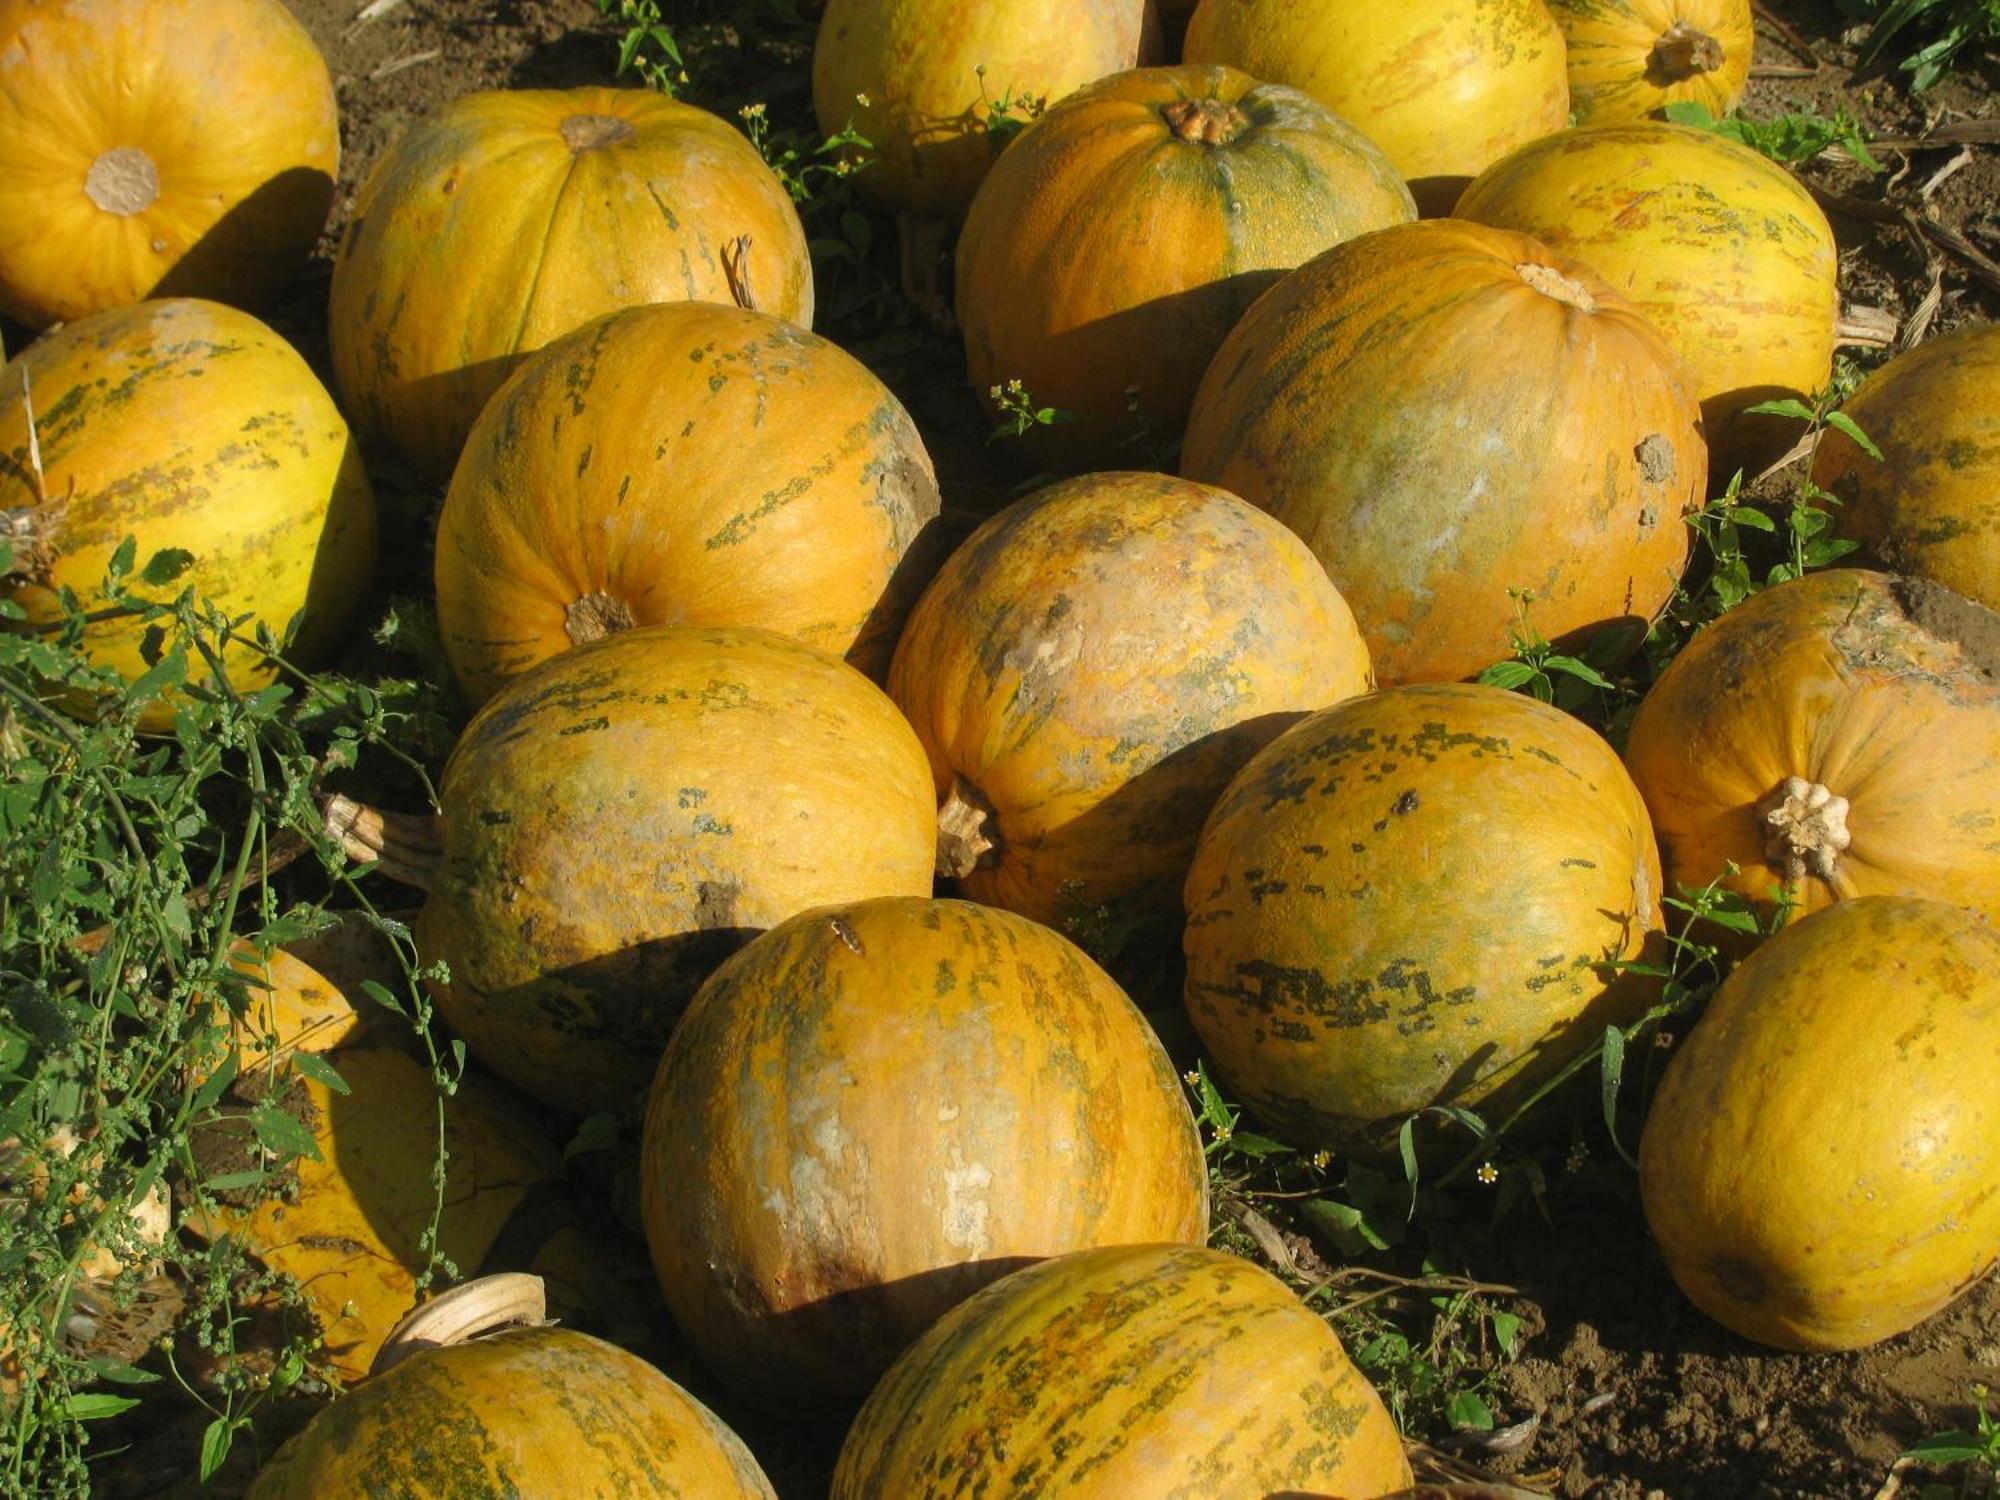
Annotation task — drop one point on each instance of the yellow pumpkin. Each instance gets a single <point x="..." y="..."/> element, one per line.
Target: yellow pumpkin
<point x="510" y="218"/>
<point x="684" y="463"/>
<point x="1721" y="248"/>
<point x="158" y="148"/>
<point x="1444" y="88"/>
<point x="188" y="425"/>
<point x="1819" y="1162"/>
<point x="1630" y="58"/>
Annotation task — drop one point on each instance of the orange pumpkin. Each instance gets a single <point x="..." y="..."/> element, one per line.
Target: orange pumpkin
<point x="1089" y="670"/>
<point x="1722" y="249"/>
<point x="682" y="464"/>
<point x="1358" y="403"/>
<point x="1114" y="245"/>
<point x="160" y="148"/>
<point x="879" y="1107"/>
<point x="1930" y="505"/>
<point x="1630" y="58"/>
<point x="510" y="218"/>
<point x="1838" y="734"/>
<point x="1444" y="89"/>
<point x="1417" y="898"/>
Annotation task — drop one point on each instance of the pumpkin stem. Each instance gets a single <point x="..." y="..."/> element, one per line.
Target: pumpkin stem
<point x="583" y="133"/>
<point x="487" y="1305"/>
<point x="594" y="616"/>
<point x="1805" y="828"/>
<point x="1681" y="53"/>
<point x="966" y="837"/>
<point x="1207" y="122"/>
<point x="1552" y="283"/>
<point x="405" y="846"/>
<point x="122" y="181"/>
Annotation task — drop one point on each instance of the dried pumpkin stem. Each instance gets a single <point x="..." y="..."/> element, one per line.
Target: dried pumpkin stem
<point x="123" y="181"/>
<point x="594" y="616"/>
<point x="404" y="846"/>
<point x="1805" y="829"/>
<point x="491" y="1304"/>
<point x="1205" y="122"/>
<point x="1681" y="53"/>
<point x="1552" y="283"/>
<point x="967" y="838"/>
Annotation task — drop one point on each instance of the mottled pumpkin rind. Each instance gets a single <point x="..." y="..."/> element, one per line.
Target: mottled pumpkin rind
<point x="1612" y="72"/>
<point x="877" y="1108"/>
<point x="1821" y="1158"/>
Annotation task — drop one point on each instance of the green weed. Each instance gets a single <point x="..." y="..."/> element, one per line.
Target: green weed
<point x="1951" y="27"/>
<point x="1787" y="139"/>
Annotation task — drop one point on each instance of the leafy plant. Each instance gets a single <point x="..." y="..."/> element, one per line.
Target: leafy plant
<point x="1951" y="25"/>
<point x="647" y="49"/>
<point x="1787" y="139"/>
<point x="1018" y="412"/>
<point x="1541" y="671"/>
<point x="1978" y="1451"/>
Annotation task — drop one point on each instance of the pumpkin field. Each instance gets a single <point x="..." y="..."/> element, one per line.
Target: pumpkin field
<point x="897" y="749"/>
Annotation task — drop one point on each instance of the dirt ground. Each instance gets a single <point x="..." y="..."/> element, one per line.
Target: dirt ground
<point x="1633" y="1392"/>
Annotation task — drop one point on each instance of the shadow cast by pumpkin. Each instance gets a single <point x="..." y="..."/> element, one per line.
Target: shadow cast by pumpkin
<point x="259" y="247"/>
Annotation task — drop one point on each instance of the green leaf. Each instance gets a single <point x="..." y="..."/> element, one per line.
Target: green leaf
<point x="1690" y="112"/>
<point x="1948" y="1448"/>
<point x="281" y="1134"/>
<point x="1507" y="674"/>
<point x="92" y="1406"/>
<point x="1347" y="1228"/>
<point x="1611" y="1072"/>
<point x="1733" y="920"/>
<point x="320" y="1071"/>
<point x="215" y="1444"/>
<point x="1507" y="1333"/>
<point x="216" y="1084"/>
<point x="1406" y="1146"/>
<point x="120" y="1374"/>
<point x="380" y="994"/>
<point x="1466" y="1411"/>
<point x="1840" y="421"/>
<point x="120" y="565"/>
<point x="1580" y="670"/>
<point x="1788" y="406"/>
<point x="232" y="1182"/>
<point x="1251" y="1144"/>
<point x="164" y="566"/>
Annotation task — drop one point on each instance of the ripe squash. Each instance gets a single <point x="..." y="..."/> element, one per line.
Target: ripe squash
<point x="509" y="218"/>
<point x="1629" y="59"/>
<point x="1356" y="954"/>
<point x="1931" y="505"/>
<point x="684" y="463"/>
<point x="1088" y="672"/>
<point x="161" y="148"/>
<point x="529" y="1410"/>
<point x="1137" y="1370"/>
<point x="1445" y="89"/>
<point x="879" y="1107"/>
<point x="1109" y="252"/>
<point x="1819" y="1162"/>
<point x="922" y="80"/>
<point x="190" y="425"/>
<point x="1839" y="734"/>
<point x="1721" y="248"/>
<point x="620" y="819"/>
<point x="1357" y="402"/>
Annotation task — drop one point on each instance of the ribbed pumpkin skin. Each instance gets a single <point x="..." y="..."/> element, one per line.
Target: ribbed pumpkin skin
<point x="1359" y="403"/>
<point x="1819" y="1162"/>
<point x="484" y="233"/>
<point x="621" y="818"/>
<point x="158" y="148"/>
<point x="685" y="463"/>
<point x="918" y="64"/>
<point x="1880" y="689"/>
<point x="1720" y="248"/>
<point x="532" y="1411"/>
<point x="1444" y="89"/>
<point x="876" y="1109"/>
<point x="1095" y="663"/>
<point x="1931" y="505"/>
<point x="1109" y="252"/>
<point x="1165" y="1371"/>
<point x="1618" y="69"/>
<point x="189" y="424"/>
<point x="1415" y="898"/>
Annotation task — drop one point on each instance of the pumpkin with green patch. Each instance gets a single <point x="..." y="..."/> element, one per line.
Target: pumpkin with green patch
<point x="1146" y="212"/>
<point x="685" y="463"/>
<point x="618" y="820"/>
<point x="879" y="1107"/>
<point x="1631" y="58"/>
<point x="1837" y="735"/>
<point x="512" y="217"/>
<point x="192" y="427"/>
<point x="1417" y="899"/>
<point x="1358" y="402"/>
<point x="1088" y="671"/>
<point x="1144" y="1370"/>
<point x="1819" y="1162"/>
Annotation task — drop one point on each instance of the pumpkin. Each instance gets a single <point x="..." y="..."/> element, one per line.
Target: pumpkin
<point x="1444" y="89"/>
<point x="1134" y="1370"/>
<point x="1358" y="948"/>
<point x="618" y="820"/>
<point x="1631" y="58"/>
<point x="1114" y="245"/>
<point x="529" y="1410"/>
<point x="877" y="1108"/>
<point x="1358" y="403"/>
<point x="1089" y="670"/>
<point x="925" y="80"/>
<point x="685" y="463"/>
<point x="509" y="218"/>
<point x="158" y="148"/>
<point x="1838" y="735"/>
<point x="1721" y="248"/>
<point x="1930" y="505"/>
<point x="185" y="425"/>
<point x="1819" y="1162"/>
